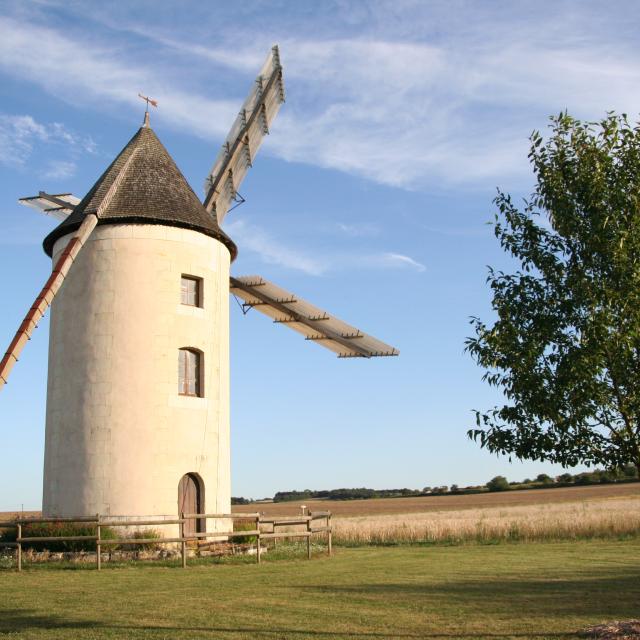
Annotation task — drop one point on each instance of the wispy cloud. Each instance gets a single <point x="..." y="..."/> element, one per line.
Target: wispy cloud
<point x="21" y="134"/>
<point x="450" y="109"/>
<point x="60" y="169"/>
<point x="18" y="134"/>
<point x="390" y="261"/>
<point x="416" y="114"/>
<point x="361" y="230"/>
<point x="95" y="73"/>
<point x="271" y="251"/>
<point x="253" y="238"/>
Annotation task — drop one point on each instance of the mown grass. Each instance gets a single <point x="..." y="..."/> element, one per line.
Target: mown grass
<point x="537" y="591"/>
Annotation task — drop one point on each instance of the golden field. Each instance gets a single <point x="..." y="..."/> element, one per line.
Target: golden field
<point x="601" y="511"/>
<point x="555" y="521"/>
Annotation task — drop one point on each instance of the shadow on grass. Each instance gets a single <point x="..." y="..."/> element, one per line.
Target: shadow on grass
<point x="13" y="621"/>
<point x="613" y="595"/>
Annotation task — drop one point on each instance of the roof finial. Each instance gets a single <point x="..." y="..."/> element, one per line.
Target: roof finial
<point x="149" y="101"/>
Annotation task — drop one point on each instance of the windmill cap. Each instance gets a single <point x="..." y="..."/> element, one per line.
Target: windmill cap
<point x="152" y="191"/>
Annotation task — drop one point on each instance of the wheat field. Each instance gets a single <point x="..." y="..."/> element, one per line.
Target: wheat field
<point x="573" y="513"/>
<point x="589" y="519"/>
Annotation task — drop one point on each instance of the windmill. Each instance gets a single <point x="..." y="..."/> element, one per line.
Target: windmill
<point x="138" y="386"/>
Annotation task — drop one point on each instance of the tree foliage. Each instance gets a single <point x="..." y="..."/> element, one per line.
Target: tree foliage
<point x="565" y="348"/>
<point x="499" y="483"/>
<point x="343" y="494"/>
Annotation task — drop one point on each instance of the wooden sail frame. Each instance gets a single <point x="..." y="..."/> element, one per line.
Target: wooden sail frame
<point x="245" y="137"/>
<point x="56" y="205"/>
<point x="312" y="322"/>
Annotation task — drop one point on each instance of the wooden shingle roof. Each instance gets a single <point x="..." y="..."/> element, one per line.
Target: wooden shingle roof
<point x="152" y="191"/>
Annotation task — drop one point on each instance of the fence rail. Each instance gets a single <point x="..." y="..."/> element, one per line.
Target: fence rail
<point x="199" y="538"/>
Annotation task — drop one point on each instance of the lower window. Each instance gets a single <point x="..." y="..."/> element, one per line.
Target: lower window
<point x="190" y="372"/>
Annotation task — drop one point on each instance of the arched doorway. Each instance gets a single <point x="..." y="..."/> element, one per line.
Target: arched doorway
<point x="191" y="500"/>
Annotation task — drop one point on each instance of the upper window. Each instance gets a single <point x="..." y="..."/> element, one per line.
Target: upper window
<point x="190" y="372"/>
<point x="191" y="291"/>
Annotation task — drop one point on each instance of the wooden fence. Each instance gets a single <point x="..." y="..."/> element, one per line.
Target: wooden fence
<point x="201" y="539"/>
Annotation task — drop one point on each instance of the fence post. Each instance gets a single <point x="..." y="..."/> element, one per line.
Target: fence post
<point x="19" y="548"/>
<point x="183" y="542"/>
<point x="98" y="547"/>
<point x="309" y="537"/>
<point x="329" y="532"/>
<point x="258" y="539"/>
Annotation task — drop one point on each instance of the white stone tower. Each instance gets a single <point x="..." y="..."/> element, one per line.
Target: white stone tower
<point x="138" y="388"/>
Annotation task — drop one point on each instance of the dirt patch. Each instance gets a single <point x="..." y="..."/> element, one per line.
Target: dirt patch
<point x="625" y="630"/>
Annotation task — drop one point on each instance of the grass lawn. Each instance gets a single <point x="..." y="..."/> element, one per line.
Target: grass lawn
<point x="504" y="591"/>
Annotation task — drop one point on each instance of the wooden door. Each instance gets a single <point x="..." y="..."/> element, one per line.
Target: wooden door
<point x="190" y="501"/>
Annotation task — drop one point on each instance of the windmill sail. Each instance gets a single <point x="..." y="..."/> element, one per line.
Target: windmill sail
<point x="56" y="205"/>
<point x="43" y="301"/>
<point x="58" y="275"/>
<point x="313" y="323"/>
<point x="247" y="133"/>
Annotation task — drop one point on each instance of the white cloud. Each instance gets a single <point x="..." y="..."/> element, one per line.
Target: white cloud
<point x="93" y="74"/>
<point x="416" y="114"/>
<point x="410" y="115"/>
<point x="393" y="261"/>
<point x="359" y="230"/>
<point x="251" y="237"/>
<point x="20" y="134"/>
<point x="452" y="108"/>
<point x="58" y="132"/>
<point x="60" y="169"/>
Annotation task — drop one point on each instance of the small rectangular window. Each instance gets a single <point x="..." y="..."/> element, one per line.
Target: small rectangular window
<point x="189" y="372"/>
<point x="190" y="291"/>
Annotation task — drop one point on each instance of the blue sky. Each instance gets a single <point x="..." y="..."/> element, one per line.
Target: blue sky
<point x="370" y="198"/>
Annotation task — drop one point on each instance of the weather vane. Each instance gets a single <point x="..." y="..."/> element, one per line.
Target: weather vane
<point x="149" y="101"/>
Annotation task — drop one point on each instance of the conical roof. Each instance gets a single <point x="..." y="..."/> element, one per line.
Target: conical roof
<point x="152" y="191"/>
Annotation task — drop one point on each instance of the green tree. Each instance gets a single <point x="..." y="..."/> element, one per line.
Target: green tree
<point x="440" y="490"/>
<point x="544" y="478"/>
<point x="499" y="483"/>
<point x="565" y="348"/>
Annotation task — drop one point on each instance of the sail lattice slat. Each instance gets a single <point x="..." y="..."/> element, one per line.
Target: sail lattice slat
<point x="315" y="324"/>
<point x="245" y="137"/>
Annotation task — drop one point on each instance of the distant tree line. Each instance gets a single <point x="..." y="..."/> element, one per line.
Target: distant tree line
<point x="598" y="476"/>
<point x="629" y="473"/>
<point x="344" y="494"/>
